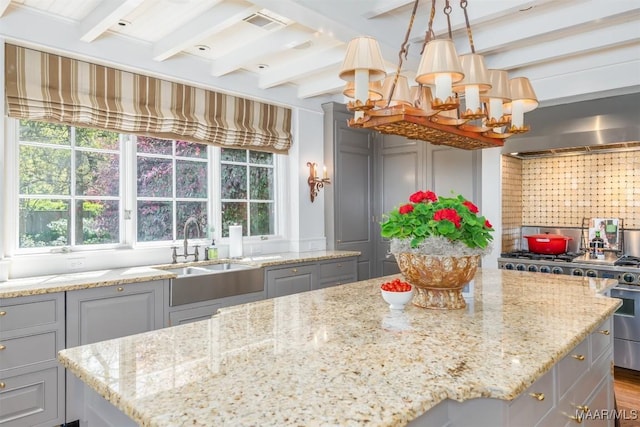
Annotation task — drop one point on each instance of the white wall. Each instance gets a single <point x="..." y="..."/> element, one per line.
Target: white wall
<point x="491" y="201"/>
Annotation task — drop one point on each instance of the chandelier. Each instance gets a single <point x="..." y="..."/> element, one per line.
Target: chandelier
<point x="433" y="111"/>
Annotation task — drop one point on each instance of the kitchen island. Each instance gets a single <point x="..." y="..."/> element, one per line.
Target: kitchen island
<point x="339" y="356"/>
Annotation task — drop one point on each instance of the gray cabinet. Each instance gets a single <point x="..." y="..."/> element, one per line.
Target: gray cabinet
<point x="336" y="272"/>
<point x="204" y="310"/>
<point x="31" y="380"/>
<point x="103" y="313"/>
<point x="289" y="280"/>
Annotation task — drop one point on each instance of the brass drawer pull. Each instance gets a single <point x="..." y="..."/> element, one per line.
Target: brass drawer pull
<point x="583" y="408"/>
<point x="579" y="357"/>
<point x="604" y="332"/>
<point x="339" y="265"/>
<point x="538" y="396"/>
<point x="2" y="347"/>
<point x="3" y="313"/>
<point x="577" y="418"/>
<point x="294" y="270"/>
<point x="119" y="289"/>
<point x="2" y="385"/>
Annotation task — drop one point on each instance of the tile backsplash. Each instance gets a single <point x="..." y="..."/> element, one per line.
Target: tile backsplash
<point x="561" y="191"/>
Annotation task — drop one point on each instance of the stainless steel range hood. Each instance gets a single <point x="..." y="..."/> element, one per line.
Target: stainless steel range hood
<point x="604" y="124"/>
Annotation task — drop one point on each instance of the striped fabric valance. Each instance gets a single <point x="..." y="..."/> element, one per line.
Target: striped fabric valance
<point x="43" y="86"/>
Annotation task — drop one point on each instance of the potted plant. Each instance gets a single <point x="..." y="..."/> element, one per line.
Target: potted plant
<point x="437" y="242"/>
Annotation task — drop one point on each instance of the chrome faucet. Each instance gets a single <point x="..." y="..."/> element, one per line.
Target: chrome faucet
<point x="191" y="220"/>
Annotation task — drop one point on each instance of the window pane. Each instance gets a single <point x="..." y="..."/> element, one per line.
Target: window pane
<point x="262" y="219"/>
<point x="155" y="177"/>
<point x="97" y="174"/>
<point x="191" y="179"/>
<point x="45" y="170"/>
<point x="51" y="133"/>
<point x="232" y="155"/>
<point x="234" y="213"/>
<point x="261" y="183"/>
<point x="260" y="158"/>
<point x="186" y="210"/>
<point x="191" y="149"/>
<point x="99" y="222"/>
<point x="44" y="222"/>
<point x="146" y="144"/>
<point x="233" y="181"/>
<point x="97" y="138"/>
<point x="155" y="221"/>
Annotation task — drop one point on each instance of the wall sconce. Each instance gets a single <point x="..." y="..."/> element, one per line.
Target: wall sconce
<point x="315" y="183"/>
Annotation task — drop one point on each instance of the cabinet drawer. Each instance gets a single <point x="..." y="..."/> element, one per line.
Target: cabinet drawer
<point x="15" y="315"/>
<point x="31" y="399"/>
<point x="332" y="269"/>
<point x="601" y="339"/>
<point x="534" y="402"/>
<point x="572" y="366"/>
<point x="27" y="350"/>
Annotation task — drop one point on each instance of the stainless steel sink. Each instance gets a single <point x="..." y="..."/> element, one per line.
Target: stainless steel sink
<point x="210" y="282"/>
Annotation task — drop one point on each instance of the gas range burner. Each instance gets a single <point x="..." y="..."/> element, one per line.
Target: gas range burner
<point x="567" y="256"/>
<point x="628" y="260"/>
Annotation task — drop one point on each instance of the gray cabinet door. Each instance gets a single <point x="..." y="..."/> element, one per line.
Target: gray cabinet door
<point x="104" y="313"/>
<point x="290" y="280"/>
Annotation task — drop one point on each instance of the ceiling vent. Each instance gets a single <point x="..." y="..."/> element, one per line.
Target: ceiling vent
<point x="267" y="20"/>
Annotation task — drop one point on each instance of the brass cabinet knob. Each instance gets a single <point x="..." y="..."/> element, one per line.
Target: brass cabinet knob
<point x="2" y="385"/>
<point x="339" y="265"/>
<point x="2" y="347"/>
<point x="604" y="332"/>
<point x="119" y="289"/>
<point x="538" y="396"/>
<point x="579" y="357"/>
<point x="583" y="408"/>
<point x="294" y="270"/>
<point x="3" y="313"/>
<point x="577" y="418"/>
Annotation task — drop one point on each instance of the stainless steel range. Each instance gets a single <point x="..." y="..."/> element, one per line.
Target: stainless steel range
<point x="625" y="269"/>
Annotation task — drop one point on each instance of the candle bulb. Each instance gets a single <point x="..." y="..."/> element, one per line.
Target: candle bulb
<point x="324" y="172"/>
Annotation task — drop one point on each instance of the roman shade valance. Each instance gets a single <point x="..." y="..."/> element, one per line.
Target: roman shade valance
<point x="44" y="86"/>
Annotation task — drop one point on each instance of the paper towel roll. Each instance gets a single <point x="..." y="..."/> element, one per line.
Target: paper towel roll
<point x="235" y="241"/>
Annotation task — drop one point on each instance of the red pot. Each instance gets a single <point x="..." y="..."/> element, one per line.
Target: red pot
<point x="552" y="244"/>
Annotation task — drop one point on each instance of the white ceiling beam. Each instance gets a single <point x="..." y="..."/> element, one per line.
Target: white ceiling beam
<point x="304" y="66"/>
<point x="274" y="42"/>
<point x="327" y="82"/>
<point x="209" y="23"/>
<point x="106" y="14"/>
<point x="4" y="5"/>
<point x="380" y="7"/>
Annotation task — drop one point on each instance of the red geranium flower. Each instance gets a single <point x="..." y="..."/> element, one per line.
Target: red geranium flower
<point x="487" y="224"/>
<point x="405" y="209"/>
<point x="417" y="197"/>
<point x="431" y="196"/>
<point x="472" y="208"/>
<point x="448" y="214"/>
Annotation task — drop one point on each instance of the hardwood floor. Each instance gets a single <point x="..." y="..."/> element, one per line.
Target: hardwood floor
<point x="627" y="390"/>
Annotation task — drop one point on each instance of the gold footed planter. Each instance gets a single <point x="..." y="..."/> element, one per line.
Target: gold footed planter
<point x="438" y="279"/>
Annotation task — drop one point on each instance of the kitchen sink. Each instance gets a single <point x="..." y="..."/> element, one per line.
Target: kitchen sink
<point x="215" y="281"/>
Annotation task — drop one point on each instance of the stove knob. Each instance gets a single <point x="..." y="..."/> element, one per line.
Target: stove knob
<point x="592" y="273"/>
<point x="628" y="277"/>
<point x="533" y="268"/>
<point x="508" y="266"/>
<point x="521" y="267"/>
<point x="545" y="269"/>
<point x="557" y="270"/>
<point x="577" y="272"/>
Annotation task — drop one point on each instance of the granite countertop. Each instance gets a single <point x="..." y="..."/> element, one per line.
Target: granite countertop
<point x="119" y="276"/>
<point x="339" y="356"/>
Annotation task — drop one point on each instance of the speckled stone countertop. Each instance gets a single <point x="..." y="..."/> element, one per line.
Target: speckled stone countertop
<point x="119" y="276"/>
<point x="339" y="356"/>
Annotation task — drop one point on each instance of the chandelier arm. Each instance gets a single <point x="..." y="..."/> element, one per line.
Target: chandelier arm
<point x="429" y="34"/>
<point x="447" y="12"/>
<point x="463" y="5"/>
<point x="404" y="49"/>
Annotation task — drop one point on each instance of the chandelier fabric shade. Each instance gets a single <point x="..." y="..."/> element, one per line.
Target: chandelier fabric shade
<point x="493" y="107"/>
<point x="375" y="90"/>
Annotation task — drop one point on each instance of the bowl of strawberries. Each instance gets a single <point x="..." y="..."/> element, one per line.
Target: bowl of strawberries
<point x="396" y="293"/>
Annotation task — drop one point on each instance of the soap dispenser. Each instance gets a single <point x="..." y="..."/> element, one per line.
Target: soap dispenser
<point x="212" y="250"/>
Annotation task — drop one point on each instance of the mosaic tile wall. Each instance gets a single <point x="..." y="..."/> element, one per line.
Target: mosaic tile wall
<point x="560" y="191"/>
<point x="511" y="201"/>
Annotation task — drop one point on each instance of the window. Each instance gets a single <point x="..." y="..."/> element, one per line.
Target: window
<point x="171" y="187"/>
<point x="69" y="185"/>
<point x="75" y="187"/>
<point x="247" y="191"/>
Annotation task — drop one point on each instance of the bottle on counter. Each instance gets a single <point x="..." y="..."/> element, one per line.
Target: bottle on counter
<point x="596" y="247"/>
<point x="212" y="250"/>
